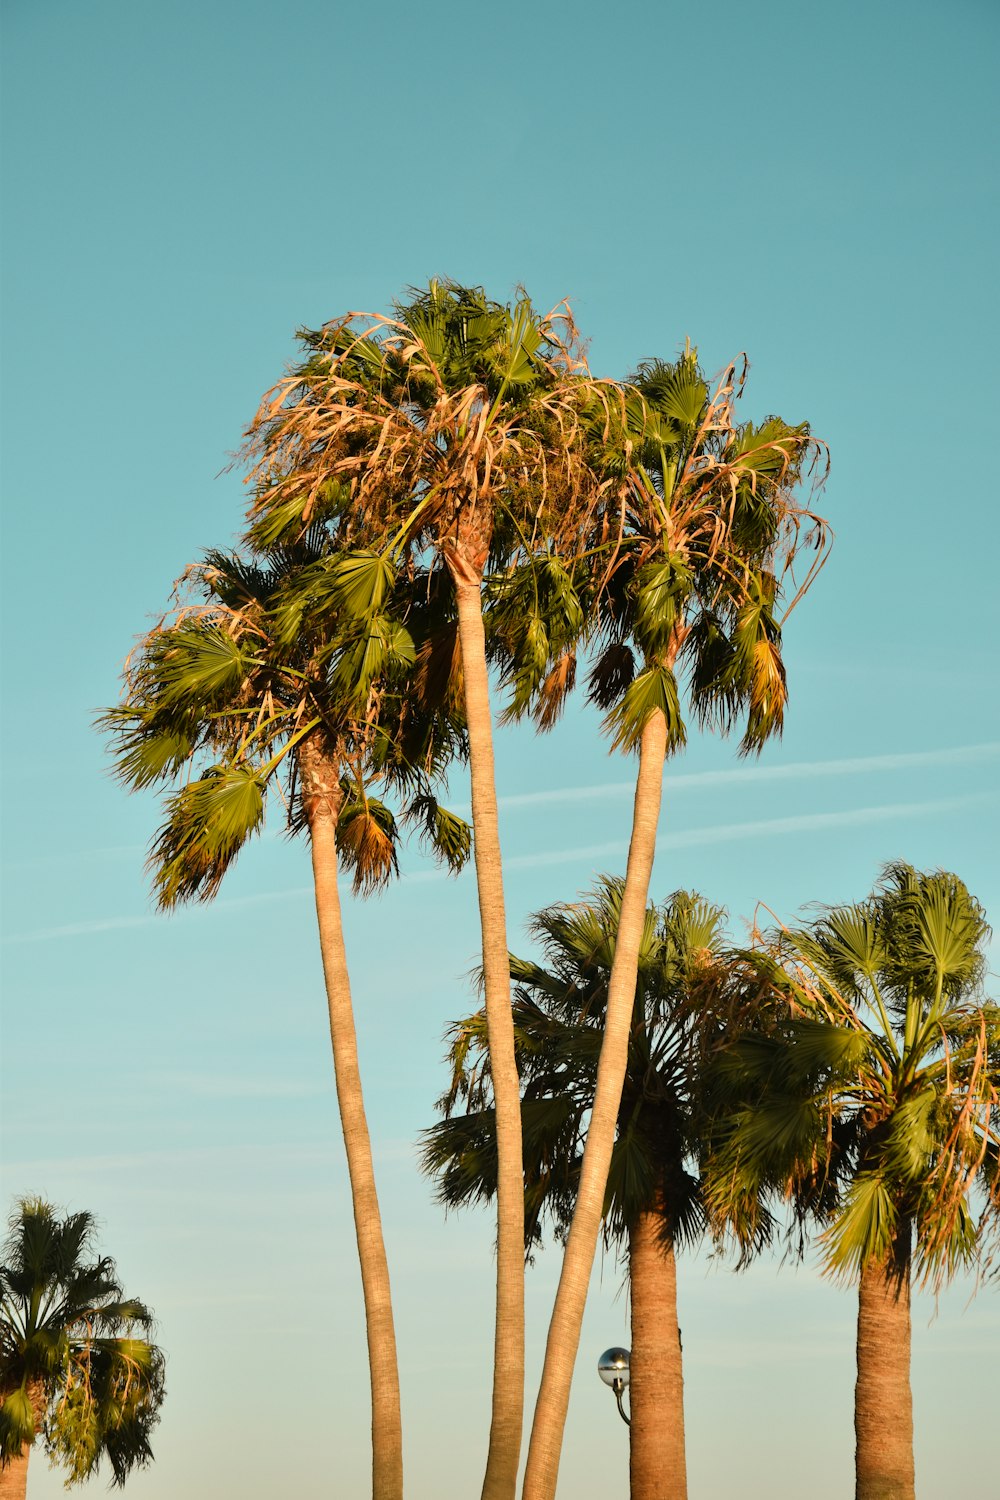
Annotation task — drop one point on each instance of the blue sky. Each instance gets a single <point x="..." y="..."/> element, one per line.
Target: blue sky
<point x="187" y="184"/>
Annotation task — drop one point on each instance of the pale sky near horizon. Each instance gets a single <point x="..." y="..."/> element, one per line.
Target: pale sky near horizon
<point x="186" y="184"/>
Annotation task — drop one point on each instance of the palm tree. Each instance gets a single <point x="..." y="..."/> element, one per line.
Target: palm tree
<point x="453" y="429"/>
<point x="876" y="1100"/>
<point x="287" y="676"/>
<point x="687" y="578"/>
<point x="653" y="1204"/>
<point x="474" y="431"/>
<point x="77" y="1367"/>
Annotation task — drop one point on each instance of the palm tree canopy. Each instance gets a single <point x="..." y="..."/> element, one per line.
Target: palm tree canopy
<point x="455" y="421"/>
<point x="75" y="1353"/>
<point x="687" y="985"/>
<point x="640" y="517"/>
<point x="681" y="570"/>
<point x="710" y="526"/>
<point x="876" y="1089"/>
<point x="261" y="653"/>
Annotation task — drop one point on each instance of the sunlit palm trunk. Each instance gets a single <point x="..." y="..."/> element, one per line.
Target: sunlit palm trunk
<point x="883" y="1403"/>
<point x="14" y="1477"/>
<point x="656" y="1389"/>
<point x="500" y="1482"/>
<point x="321" y="797"/>
<point x="567" y="1316"/>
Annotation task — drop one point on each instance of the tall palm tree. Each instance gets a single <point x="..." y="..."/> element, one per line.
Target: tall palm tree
<point x="287" y="677"/>
<point x="875" y="1098"/>
<point x="455" y="430"/>
<point x="77" y="1367"/>
<point x="698" y="537"/>
<point x="687" y="986"/>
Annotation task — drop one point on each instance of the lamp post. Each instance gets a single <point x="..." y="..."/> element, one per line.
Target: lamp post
<point x="613" y="1370"/>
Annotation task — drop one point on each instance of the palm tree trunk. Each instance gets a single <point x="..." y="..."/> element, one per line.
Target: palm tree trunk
<point x="657" y="1466"/>
<point x="500" y="1481"/>
<point x="321" y="798"/>
<point x="14" y="1476"/>
<point x="883" y="1403"/>
<point x="544" y="1448"/>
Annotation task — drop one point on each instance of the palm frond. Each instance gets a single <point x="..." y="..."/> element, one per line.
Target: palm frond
<point x="367" y="838"/>
<point x="448" y="836"/>
<point x="208" y="823"/>
<point x="653" y="691"/>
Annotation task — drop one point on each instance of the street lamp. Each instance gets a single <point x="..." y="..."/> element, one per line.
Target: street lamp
<point x="613" y="1370"/>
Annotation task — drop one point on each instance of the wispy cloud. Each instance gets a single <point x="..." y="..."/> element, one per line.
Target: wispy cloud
<point x="724" y="833"/>
<point x="799" y="770"/>
<point x="148" y="919"/>
<point x="203" y="1157"/>
<point x="229" y="1086"/>
<point x="718" y="833"/>
<point x="76" y="856"/>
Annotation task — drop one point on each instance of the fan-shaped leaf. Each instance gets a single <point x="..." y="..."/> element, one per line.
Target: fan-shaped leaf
<point x="653" y="691"/>
<point x="209" y="821"/>
<point x="366" y="841"/>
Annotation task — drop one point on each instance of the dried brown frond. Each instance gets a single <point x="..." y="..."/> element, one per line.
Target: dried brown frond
<point x="367" y="846"/>
<point x="438" y="680"/>
<point x="555" y="689"/>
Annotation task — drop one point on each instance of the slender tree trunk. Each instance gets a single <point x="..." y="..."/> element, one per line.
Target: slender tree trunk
<point x="14" y="1476"/>
<point x="567" y="1316"/>
<point x="321" y="796"/>
<point x="657" y="1466"/>
<point x="883" y="1404"/>
<point x="500" y="1482"/>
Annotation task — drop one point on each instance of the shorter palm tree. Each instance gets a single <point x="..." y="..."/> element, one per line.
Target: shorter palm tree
<point x="291" y="677"/>
<point x="875" y="1100"/>
<point x="77" y="1367"/>
<point x="654" y="1202"/>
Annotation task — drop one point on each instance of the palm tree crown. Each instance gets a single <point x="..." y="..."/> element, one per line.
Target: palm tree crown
<point x="454" y="424"/>
<point x="887" y="1035"/>
<point x="710" y="528"/>
<point x="263" y="656"/>
<point x="76" y="1363"/>
<point x="559" y="1006"/>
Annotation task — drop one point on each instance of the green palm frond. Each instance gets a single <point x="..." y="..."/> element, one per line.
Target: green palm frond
<point x="385" y="646"/>
<point x="147" y="748"/>
<point x="208" y="823"/>
<point x="535" y="620"/>
<point x="912" y="1137"/>
<point x="194" y="664"/>
<point x="936" y="930"/>
<point x="662" y="591"/>
<point x="448" y="836"/>
<point x="17" y="1423"/>
<point x="867" y="1226"/>
<point x="677" y="392"/>
<point x="654" y="690"/>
